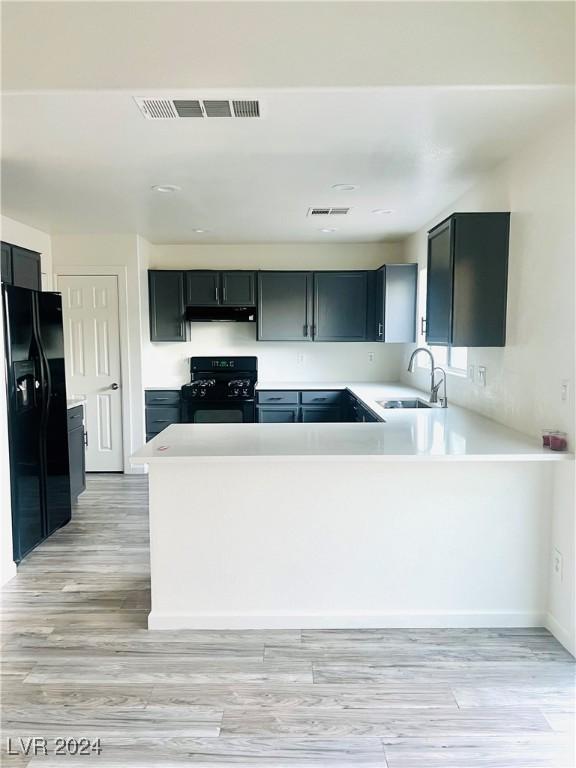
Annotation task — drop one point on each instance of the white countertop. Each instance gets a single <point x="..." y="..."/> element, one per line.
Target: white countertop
<point x="435" y="434"/>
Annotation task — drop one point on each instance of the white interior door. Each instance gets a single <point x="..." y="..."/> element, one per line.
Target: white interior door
<point x="92" y="349"/>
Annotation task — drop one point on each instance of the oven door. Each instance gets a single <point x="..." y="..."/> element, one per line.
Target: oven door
<point x="218" y="412"/>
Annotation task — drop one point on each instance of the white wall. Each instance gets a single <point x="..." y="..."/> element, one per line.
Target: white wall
<point x="524" y="377"/>
<point x="168" y="364"/>
<point x="88" y="254"/>
<point x="14" y="232"/>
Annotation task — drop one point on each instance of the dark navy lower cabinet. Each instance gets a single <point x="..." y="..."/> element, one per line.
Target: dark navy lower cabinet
<point x="292" y="406"/>
<point x="76" y="451"/>
<point x="278" y="414"/>
<point x="163" y="407"/>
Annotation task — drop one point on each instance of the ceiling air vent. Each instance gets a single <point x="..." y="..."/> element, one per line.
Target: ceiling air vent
<point x="328" y="211"/>
<point x="175" y="109"/>
<point x="157" y="109"/>
<point x="186" y="108"/>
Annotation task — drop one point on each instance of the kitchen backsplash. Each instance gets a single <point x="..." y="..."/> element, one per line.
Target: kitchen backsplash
<point x="168" y="364"/>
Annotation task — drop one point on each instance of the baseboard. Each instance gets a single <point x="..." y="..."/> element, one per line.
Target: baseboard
<point x="561" y="634"/>
<point x="393" y="620"/>
<point x="8" y="573"/>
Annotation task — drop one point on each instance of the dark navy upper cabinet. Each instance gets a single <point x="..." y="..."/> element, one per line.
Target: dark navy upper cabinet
<point x="439" y="287"/>
<point x="395" y="303"/>
<point x="341" y="306"/>
<point x="285" y="306"/>
<point x="467" y="280"/>
<point x="202" y="288"/>
<point x="21" y="267"/>
<point x="6" y="264"/>
<point x="232" y="288"/>
<point x="166" y="292"/>
<point x="238" y="288"/>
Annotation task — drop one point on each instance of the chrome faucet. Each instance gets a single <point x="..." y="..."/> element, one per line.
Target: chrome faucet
<point x="433" y="368"/>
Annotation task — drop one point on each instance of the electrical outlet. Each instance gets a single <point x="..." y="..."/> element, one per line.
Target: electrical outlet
<point x="471" y="372"/>
<point x="482" y="375"/>
<point x="557" y="564"/>
<point x="300" y="358"/>
<point x="371" y="357"/>
<point x="564" y="390"/>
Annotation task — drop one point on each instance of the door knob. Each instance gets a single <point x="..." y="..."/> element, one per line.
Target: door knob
<point x="113" y="386"/>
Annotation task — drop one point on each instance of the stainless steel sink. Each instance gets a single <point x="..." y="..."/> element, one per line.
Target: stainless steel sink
<point x="415" y="403"/>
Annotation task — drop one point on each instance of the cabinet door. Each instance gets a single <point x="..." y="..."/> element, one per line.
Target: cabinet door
<point x="202" y="288"/>
<point x="285" y="306"/>
<point x="6" y="264"/>
<point x="238" y="288"/>
<point x="400" y="286"/>
<point x="76" y="457"/>
<point x="166" y="305"/>
<point x="312" y="413"/>
<point x="277" y="414"/>
<point x="340" y="306"/>
<point x="26" y="268"/>
<point x="158" y="417"/>
<point x="440" y="285"/>
<point x="480" y="279"/>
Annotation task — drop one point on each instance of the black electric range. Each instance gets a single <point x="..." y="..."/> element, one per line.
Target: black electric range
<point x="221" y="390"/>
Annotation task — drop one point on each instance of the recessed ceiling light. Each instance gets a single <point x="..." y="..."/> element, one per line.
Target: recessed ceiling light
<point x="328" y="229"/>
<point x="165" y="188"/>
<point x="345" y="187"/>
<point x="200" y="231"/>
<point x="382" y="210"/>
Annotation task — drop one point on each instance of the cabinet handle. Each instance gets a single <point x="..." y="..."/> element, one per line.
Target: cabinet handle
<point x="216" y="290"/>
<point x="422" y="326"/>
<point x="161" y="421"/>
<point x="86" y="439"/>
<point x="306" y="330"/>
<point x="318" y="399"/>
<point x="313" y="330"/>
<point x="274" y="398"/>
<point x="160" y="399"/>
<point x="380" y="329"/>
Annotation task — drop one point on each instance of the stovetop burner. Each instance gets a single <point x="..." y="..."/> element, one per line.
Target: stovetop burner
<point x="222" y="378"/>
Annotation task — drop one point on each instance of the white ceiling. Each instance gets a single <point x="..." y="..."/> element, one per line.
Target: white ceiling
<point x="85" y="162"/>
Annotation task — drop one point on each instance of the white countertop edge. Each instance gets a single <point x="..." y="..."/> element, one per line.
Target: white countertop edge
<point x="338" y="457"/>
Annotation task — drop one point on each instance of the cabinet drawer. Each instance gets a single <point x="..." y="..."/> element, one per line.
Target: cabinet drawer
<point x="75" y="417"/>
<point x="313" y="397"/>
<point x="162" y="397"/>
<point x="278" y="398"/>
<point x="159" y="417"/>
<point x="319" y="413"/>
<point x="278" y="414"/>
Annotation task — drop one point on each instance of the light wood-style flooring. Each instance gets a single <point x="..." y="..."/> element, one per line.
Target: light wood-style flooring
<point x="77" y="660"/>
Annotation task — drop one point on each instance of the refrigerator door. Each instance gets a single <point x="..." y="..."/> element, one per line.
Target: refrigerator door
<point x="54" y="427"/>
<point x="24" y="420"/>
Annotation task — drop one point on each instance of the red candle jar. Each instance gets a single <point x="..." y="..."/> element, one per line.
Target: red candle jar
<point x="558" y="441"/>
<point x="546" y="437"/>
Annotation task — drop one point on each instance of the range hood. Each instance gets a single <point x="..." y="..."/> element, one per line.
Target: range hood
<point x="220" y="314"/>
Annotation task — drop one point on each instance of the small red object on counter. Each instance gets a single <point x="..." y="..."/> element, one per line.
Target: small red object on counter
<point x="546" y="437"/>
<point x="558" y="441"/>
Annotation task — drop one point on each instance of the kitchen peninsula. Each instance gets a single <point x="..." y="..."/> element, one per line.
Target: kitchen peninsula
<point x="433" y="517"/>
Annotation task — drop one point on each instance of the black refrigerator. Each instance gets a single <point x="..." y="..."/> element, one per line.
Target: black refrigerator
<point x="37" y="417"/>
